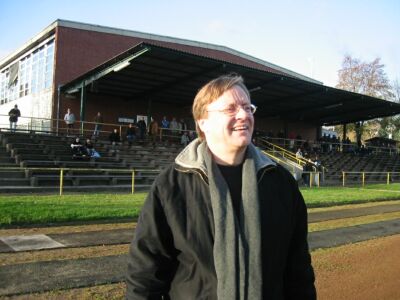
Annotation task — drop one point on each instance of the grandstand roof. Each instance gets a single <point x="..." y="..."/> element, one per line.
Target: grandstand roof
<point x="167" y="75"/>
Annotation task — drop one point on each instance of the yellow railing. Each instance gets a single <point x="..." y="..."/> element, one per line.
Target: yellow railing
<point x="289" y="155"/>
<point x="280" y="161"/>
<point x="63" y="170"/>
<point x="362" y="176"/>
<point x="285" y="153"/>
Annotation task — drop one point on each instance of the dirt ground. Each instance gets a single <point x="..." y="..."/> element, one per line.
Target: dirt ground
<point x="368" y="270"/>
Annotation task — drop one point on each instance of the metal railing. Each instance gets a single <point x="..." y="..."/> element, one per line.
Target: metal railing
<point x="364" y="177"/>
<point x="62" y="174"/>
<point x="85" y="128"/>
<point x="328" y="146"/>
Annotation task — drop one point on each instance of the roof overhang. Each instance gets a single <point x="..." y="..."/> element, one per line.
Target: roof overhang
<point x="165" y="75"/>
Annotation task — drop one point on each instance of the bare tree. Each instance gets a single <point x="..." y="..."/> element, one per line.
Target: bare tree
<point x="364" y="78"/>
<point x="368" y="78"/>
<point x="396" y="90"/>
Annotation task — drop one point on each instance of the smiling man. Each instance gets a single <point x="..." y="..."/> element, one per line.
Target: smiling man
<point x="224" y="221"/>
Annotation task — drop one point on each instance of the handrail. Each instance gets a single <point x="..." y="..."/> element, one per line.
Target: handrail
<point x="300" y="161"/>
<point x="279" y="160"/>
<point x="62" y="170"/>
<point x="389" y="175"/>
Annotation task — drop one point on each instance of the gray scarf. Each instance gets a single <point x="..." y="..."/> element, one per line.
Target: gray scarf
<point x="237" y="241"/>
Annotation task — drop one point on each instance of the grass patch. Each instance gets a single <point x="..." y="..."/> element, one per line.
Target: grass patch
<point x="39" y="209"/>
<point x="46" y="209"/>
<point x="387" y="187"/>
<point x="331" y="196"/>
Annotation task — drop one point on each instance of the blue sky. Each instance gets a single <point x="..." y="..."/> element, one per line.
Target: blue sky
<point x="309" y="37"/>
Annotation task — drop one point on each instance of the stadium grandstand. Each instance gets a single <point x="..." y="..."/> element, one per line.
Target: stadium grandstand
<point x="129" y="76"/>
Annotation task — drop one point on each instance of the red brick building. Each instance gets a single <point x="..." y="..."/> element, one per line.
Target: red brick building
<point x="67" y="53"/>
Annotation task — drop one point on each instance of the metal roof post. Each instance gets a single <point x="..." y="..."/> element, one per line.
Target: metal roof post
<point x="83" y="104"/>
<point x="149" y="111"/>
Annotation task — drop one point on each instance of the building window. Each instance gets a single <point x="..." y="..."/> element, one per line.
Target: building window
<point x="35" y="74"/>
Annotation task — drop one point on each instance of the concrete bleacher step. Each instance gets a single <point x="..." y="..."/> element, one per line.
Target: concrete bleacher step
<point x="97" y="160"/>
<point x="12" y="174"/>
<point x="8" y="138"/>
<point x="7" y="160"/>
<point x="26" y="156"/>
<point x="28" y="151"/>
<point x="45" y="151"/>
<point x="9" y="165"/>
<point x="50" y="180"/>
<point x="85" y="180"/>
<point x="38" y="163"/>
<point x="14" y="182"/>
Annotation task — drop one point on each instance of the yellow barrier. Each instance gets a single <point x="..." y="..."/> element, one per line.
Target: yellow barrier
<point x="61" y="181"/>
<point x="343" y="175"/>
<point x="389" y="175"/>
<point x="133" y="182"/>
<point x="62" y="171"/>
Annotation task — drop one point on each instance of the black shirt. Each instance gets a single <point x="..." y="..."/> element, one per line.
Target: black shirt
<point x="233" y="177"/>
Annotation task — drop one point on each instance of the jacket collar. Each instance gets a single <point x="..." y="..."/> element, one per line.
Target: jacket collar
<point x="192" y="157"/>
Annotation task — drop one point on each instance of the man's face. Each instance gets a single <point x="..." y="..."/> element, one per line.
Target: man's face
<point x="229" y="132"/>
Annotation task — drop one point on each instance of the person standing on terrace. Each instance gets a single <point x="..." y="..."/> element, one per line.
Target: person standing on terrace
<point x="69" y="119"/>
<point x="98" y="123"/>
<point x="14" y="115"/>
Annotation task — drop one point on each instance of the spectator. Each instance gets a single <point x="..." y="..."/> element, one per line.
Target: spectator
<point x="185" y="139"/>
<point x="14" y="115"/>
<point x="69" y="119"/>
<point x="164" y="122"/>
<point x="78" y="150"/>
<point x="307" y="168"/>
<point x="174" y="127"/>
<point x="182" y="125"/>
<point x="306" y="146"/>
<point x="131" y="134"/>
<point x="98" y="120"/>
<point x="318" y="168"/>
<point x="299" y="154"/>
<point x="90" y="149"/>
<point x="164" y="126"/>
<point x="142" y="128"/>
<point x="291" y="138"/>
<point x="192" y="136"/>
<point x="114" y="137"/>
<point x="298" y="140"/>
<point x="153" y="129"/>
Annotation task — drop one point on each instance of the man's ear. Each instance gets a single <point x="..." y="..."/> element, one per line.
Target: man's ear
<point x="203" y="125"/>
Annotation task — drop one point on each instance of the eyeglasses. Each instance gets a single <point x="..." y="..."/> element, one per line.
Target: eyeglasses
<point x="233" y="109"/>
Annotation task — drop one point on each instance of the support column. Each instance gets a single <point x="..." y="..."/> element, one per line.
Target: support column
<point x="344" y="132"/>
<point x="149" y="111"/>
<point x="83" y="105"/>
<point x="319" y="133"/>
<point x="58" y="117"/>
<point x="286" y="129"/>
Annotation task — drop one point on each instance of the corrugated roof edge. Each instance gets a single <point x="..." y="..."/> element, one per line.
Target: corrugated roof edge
<point x="105" y="29"/>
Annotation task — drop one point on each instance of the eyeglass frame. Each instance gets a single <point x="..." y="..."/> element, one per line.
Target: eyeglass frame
<point x="252" y="111"/>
